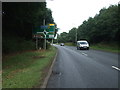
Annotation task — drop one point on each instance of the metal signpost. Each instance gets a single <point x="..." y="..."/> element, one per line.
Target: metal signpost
<point x="46" y="30"/>
<point x="44" y="34"/>
<point x="76" y="36"/>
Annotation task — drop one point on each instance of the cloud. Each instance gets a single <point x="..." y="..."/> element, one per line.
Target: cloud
<point x="71" y="13"/>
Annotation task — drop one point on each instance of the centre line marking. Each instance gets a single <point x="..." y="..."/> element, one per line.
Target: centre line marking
<point x="84" y="54"/>
<point x="116" y="68"/>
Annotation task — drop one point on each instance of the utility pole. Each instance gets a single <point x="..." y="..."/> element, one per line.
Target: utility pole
<point x="76" y="36"/>
<point x="52" y="41"/>
<point x="57" y="38"/>
<point x="36" y="42"/>
<point x="44" y="35"/>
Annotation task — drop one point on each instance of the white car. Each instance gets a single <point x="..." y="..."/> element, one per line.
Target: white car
<point x="62" y="44"/>
<point x="82" y="44"/>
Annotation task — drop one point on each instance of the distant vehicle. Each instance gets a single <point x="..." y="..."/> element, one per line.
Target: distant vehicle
<point x="82" y="44"/>
<point x="62" y="44"/>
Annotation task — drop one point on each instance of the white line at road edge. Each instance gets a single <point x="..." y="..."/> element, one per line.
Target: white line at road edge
<point x="84" y="54"/>
<point x="116" y="68"/>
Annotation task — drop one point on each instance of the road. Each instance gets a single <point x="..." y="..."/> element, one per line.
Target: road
<point x="84" y="69"/>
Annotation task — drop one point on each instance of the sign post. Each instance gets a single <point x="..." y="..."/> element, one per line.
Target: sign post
<point x="36" y="42"/>
<point x="44" y="34"/>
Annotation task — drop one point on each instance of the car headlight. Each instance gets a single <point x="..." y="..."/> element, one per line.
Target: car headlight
<point x="81" y="46"/>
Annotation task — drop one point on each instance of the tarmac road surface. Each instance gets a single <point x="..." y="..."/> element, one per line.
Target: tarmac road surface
<point x="84" y="69"/>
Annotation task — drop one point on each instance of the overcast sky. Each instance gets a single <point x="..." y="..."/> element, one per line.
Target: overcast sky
<point x="71" y="13"/>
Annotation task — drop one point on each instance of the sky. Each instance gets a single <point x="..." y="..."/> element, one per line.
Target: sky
<point x="71" y="13"/>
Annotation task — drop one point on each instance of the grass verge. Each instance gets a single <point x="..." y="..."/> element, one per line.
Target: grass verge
<point x="70" y="44"/>
<point x="106" y="47"/>
<point x="26" y="70"/>
<point x="109" y="47"/>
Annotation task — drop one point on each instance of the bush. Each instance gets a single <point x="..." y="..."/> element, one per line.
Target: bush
<point x="16" y="44"/>
<point x="48" y="45"/>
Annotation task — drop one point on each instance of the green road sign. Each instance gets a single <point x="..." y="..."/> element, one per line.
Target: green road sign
<point x="39" y="29"/>
<point x="51" y="28"/>
<point x="49" y="36"/>
<point x="47" y="30"/>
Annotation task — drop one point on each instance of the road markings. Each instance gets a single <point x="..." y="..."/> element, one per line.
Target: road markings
<point x="60" y="73"/>
<point x="85" y="54"/>
<point x="116" y="68"/>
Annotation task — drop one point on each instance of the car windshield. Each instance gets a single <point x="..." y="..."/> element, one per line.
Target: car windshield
<point x="83" y="42"/>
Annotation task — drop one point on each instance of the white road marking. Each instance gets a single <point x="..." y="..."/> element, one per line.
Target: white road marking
<point x="60" y="73"/>
<point x="116" y="68"/>
<point x="85" y="54"/>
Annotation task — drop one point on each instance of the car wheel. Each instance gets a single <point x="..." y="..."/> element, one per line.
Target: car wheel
<point x="80" y="48"/>
<point x="88" y="48"/>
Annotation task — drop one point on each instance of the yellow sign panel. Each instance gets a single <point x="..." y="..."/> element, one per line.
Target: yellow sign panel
<point x="51" y="24"/>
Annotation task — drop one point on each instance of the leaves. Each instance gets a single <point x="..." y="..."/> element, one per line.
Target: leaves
<point x="102" y="28"/>
<point x="19" y="21"/>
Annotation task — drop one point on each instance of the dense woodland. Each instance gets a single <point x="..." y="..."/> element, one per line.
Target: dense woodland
<point x="18" y="23"/>
<point x="104" y="27"/>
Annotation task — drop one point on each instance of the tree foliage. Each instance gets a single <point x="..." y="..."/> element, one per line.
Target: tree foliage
<point x="20" y="18"/>
<point x="102" y="28"/>
<point x="63" y="37"/>
<point x="72" y="35"/>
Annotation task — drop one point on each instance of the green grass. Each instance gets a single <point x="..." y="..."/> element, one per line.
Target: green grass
<point x="70" y="44"/>
<point x="110" y="47"/>
<point x="106" y="47"/>
<point x="26" y="70"/>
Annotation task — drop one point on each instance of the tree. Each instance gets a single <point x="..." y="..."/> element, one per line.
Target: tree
<point x="20" y="18"/>
<point x="63" y="37"/>
<point x="102" y="28"/>
<point x="72" y="35"/>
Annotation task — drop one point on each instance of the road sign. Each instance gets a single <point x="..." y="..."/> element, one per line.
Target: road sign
<point x="37" y="29"/>
<point x="47" y="30"/>
<point x="51" y="36"/>
<point x="43" y="27"/>
<point x="51" y="28"/>
<point x="51" y="24"/>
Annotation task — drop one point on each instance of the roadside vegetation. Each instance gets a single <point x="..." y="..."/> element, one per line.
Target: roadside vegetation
<point x="16" y="44"/>
<point x="24" y="66"/>
<point x="101" y="31"/>
<point x="19" y="25"/>
<point x="111" y="47"/>
<point x="27" y="69"/>
<point x="106" y="47"/>
<point x="70" y="44"/>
